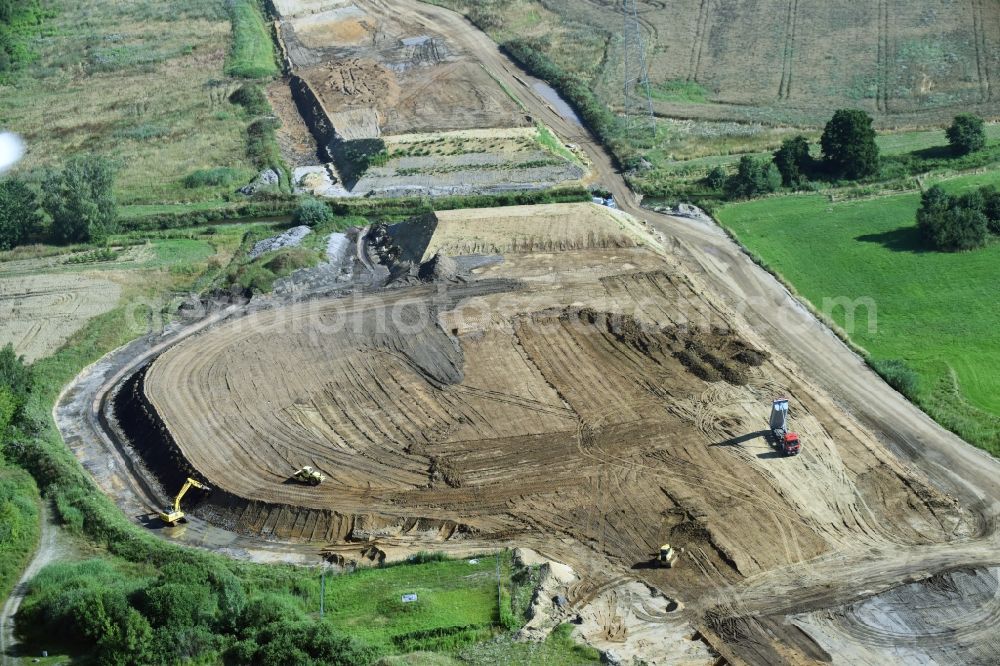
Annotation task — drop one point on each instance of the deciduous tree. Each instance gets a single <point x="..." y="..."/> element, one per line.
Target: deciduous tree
<point x="849" y="148"/>
<point x="967" y="134"/>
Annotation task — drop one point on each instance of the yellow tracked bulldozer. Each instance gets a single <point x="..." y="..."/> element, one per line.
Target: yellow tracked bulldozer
<point x="666" y="557"/>
<point x="309" y="475"/>
<point x="173" y="515"/>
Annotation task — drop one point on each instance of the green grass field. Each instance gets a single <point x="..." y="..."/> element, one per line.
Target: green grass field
<point x="451" y="595"/>
<point x="935" y="311"/>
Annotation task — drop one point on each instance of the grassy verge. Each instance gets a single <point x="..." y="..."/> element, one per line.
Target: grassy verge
<point x="550" y="142"/>
<point x="927" y="309"/>
<point x="252" y="52"/>
<point x="171" y="217"/>
<point x="558" y="650"/>
<point x="19" y="524"/>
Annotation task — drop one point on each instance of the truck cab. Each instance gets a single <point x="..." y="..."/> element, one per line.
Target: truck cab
<point x="790" y="444"/>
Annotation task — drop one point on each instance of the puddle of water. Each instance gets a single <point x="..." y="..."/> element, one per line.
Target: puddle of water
<point x="561" y="106"/>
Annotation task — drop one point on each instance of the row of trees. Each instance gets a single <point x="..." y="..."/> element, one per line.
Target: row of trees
<point x="73" y="204"/>
<point x="953" y="223"/>
<point x="849" y="152"/>
<point x="189" y="613"/>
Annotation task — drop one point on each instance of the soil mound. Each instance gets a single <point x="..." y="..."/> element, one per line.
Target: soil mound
<point x="440" y="267"/>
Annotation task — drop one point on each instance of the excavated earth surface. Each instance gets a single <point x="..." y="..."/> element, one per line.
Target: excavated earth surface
<point x="583" y="397"/>
<point x="375" y="79"/>
<point x="366" y="56"/>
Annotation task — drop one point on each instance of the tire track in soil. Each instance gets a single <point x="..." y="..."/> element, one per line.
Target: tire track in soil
<point x="882" y="75"/>
<point x="982" y="52"/>
<point x="698" y="43"/>
<point x="788" y="56"/>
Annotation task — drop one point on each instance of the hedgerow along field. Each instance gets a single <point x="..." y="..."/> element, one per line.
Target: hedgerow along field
<point x="935" y="311"/>
<point x="144" y="83"/>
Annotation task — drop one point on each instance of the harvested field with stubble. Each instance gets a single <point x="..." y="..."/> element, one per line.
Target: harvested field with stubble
<point x="589" y="401"/>
<point x="39" y="312"/>
<point x="775" y="61"/>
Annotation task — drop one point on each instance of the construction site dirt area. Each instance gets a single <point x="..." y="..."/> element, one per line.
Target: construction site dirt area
<point x="370" y="56"/>
<point x="581" y="396"/>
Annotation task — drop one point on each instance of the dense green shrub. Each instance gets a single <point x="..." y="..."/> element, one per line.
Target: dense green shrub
<point x="951" y="223"/>
<point x="991" y="207"/>
<point x="794" y="161"/>
<point x="262" y="143"/>
<point x="18" y="512"/>
<point x="20" y="214"/>
<point x="312" y="212"/>
<point x="15" y="376"/>
<point x="217" y="177"/>
<point x="19" y="20"/>
<point x="79" y="198"/>
<point x="849" y="148"/>
<point x="898" y="375"/>
<point x="753" y="178"/>
<point x="295" y="643"/>
<point x="967" y="134"/>
<point x="251" y="97"/>
<point x="716" y="178"/>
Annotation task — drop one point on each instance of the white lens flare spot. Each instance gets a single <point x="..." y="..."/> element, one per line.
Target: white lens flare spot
<point x="11" y="150"/>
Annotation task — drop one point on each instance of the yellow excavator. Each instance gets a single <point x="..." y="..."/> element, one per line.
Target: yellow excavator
<point x="173" y="515"/>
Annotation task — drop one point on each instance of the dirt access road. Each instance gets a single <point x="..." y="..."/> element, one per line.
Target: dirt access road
<point x="953" y="465"/>
<point x="50" y="549"/>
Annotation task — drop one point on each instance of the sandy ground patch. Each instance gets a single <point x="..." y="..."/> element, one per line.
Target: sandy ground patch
<point x="345" y="25"/>
<point x="544" y="228"/>
<point x="370" y="55"/>
<point x="290" y="8"/>
<point x="298" y="146"/>
<point x="594" y="402"/>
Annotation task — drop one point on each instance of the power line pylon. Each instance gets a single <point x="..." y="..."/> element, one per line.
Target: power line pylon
<point x="638" y="96"/>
